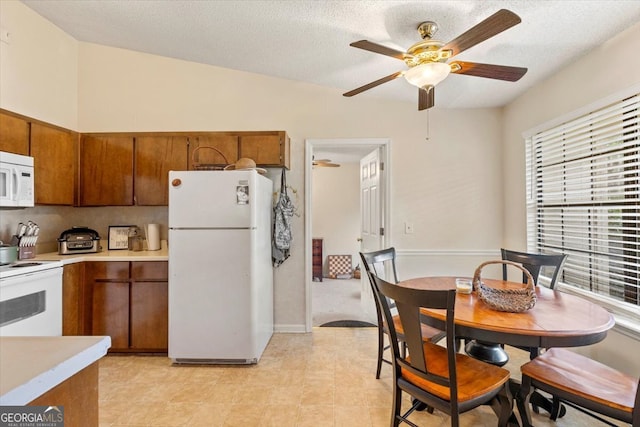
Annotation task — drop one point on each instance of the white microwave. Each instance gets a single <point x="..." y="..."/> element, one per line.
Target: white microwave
<point x="16" y="181"/>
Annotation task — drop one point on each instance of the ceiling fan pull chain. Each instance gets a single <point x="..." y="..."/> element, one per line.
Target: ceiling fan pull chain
<point x="428" y="127"/>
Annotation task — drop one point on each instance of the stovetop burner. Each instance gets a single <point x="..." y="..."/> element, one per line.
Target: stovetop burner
<point x="25" y="264"/>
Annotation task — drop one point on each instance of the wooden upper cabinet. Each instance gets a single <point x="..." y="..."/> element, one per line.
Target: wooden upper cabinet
<point x="216" y="150"/>
<point x="269" y="149"/>
<point x="55" y="157"/>
<point x="106" y="170"/>
<point x="155" y="156"/>
<point x="14" y="134"/>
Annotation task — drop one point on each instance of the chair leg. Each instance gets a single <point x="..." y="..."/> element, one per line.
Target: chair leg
<point x="523" y="401"/>
<point x="396" y="406"/>
<point x="380" y="351"/>
<point x="506" y="406"/>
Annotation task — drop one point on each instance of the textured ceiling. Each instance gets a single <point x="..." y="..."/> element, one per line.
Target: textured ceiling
<point x="309" y="40"/>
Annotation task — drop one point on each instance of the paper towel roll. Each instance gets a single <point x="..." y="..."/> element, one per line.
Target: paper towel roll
<point x="153" y="237"/>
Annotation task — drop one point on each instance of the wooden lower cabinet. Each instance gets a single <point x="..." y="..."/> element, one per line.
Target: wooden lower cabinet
<point x="73" y="300"/>
<point x="132" y="310"/>
<point x="111" y="312"/>
<point x="149" y="308"/>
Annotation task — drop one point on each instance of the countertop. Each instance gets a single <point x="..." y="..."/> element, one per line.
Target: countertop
<point x="113" y="255"/>
<point x="31" y="366"/>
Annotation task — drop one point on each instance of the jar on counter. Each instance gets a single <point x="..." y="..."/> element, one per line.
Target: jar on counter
<point x="135" y="239"/>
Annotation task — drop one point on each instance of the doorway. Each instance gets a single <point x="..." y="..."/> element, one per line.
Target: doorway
<point x="347" y="153"/>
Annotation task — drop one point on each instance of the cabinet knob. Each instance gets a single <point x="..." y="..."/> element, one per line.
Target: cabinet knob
<point x="359" y="239"/>
<point x="176" y="182"/>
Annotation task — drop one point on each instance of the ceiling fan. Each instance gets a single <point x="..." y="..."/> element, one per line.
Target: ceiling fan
<point x="427" y="59"/>
<point x="324" y="163"/>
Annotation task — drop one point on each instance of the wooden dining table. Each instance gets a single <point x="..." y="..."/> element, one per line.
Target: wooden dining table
<point x="558" y="319"/>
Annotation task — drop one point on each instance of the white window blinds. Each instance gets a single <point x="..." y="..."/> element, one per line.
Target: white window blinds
<point x="583" y="198"/>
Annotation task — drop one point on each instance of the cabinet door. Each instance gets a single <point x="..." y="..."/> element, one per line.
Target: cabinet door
<point x="157" y="271"/>
<point x="106" y="170"/>
<point x="111" y="312"/>
<point x="155" y="156"/>
<point x="73" y="309"/>
<point x="149" y="316"/>
<point x="269" y="149"/>
<point x="201" y="154"/>
<point x="55" y="157"/>
<point x="14" y="134"/>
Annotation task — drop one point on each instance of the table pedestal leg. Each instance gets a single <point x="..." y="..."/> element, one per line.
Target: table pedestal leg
<point x="487" y="352"/>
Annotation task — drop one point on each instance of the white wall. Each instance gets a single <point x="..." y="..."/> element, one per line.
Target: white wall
<point x="610" y="68"/>
<point x="38" y="67"/>
<point x="336" y="210"/>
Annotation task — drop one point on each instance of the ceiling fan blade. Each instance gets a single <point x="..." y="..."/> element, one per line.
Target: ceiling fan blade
<point x="322" y="160"/>
<point x="378" y="48"/>
<point x="374" y="84"/>
<point x="426" y="98"/>
<point x="490" y="71"/>
<point x="495" y="24"/>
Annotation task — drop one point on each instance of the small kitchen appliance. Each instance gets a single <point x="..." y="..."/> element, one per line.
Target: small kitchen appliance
<point x="16" y="181"/>
<point x="78" y="240"/>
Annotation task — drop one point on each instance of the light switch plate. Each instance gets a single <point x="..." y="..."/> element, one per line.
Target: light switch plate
<point x="408" y="228"/>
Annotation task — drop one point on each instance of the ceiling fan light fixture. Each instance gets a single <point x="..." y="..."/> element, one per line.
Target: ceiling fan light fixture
<point x="427" y="74"/>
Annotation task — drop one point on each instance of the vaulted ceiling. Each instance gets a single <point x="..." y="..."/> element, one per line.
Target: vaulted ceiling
<point x="308" y="40"/>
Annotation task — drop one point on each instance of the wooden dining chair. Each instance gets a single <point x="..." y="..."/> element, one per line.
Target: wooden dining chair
<point x="534" y="263"/>
<point x="433" y="374"/>
<point x="580" y="382"/>
<point x="382" y="263"/>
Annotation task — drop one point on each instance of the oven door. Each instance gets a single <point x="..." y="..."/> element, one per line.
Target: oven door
<point x="31" y="304"/>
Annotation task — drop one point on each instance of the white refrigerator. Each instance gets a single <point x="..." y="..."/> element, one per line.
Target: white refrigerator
<point x="220" y="271"/>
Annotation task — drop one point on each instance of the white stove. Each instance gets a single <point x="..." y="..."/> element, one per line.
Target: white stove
<point x="31" y="298"/>
<point x="25" y="267"/>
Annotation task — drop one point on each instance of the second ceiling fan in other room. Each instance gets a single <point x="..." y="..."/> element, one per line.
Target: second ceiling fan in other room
<point x="324" y="163"/>
<point x="427" y="59"/>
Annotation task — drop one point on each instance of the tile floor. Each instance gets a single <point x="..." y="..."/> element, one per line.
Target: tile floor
<point x="324" y="378"/>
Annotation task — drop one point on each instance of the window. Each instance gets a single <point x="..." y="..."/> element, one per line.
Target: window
<point x="583" y="185"/>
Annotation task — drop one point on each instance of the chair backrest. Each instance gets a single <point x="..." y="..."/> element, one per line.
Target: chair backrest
<point x="534" y="263"/>
<point x="408" y="302"/>
<point x="380" y="262"/>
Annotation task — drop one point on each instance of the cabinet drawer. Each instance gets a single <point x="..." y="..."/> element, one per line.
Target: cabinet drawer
<point x="108" y="270"/>
<point x="149" y="271"/>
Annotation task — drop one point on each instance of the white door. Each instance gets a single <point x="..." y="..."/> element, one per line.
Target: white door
<point x="371" y="219"/>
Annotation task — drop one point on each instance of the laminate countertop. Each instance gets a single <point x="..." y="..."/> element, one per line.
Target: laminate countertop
<point x="31" y="366"/>
<point x="113" y="255"/>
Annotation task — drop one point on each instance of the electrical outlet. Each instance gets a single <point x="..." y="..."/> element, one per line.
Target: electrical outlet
<point x="408" y="228"/>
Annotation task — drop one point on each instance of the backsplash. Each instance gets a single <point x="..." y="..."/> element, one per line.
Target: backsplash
<point x="53" y="220"/>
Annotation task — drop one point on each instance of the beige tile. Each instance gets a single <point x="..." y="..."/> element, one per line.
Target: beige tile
<point x="326" y="378"/>
<point x="280" y="416"/>
<point x="315" y="416"/>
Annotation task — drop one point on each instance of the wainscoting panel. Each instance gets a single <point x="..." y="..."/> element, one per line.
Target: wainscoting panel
<point x="416" y="263"/>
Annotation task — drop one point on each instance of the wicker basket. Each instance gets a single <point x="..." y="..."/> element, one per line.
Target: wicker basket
<point x="512" y="300"/>
<point x="207" y="166"/>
